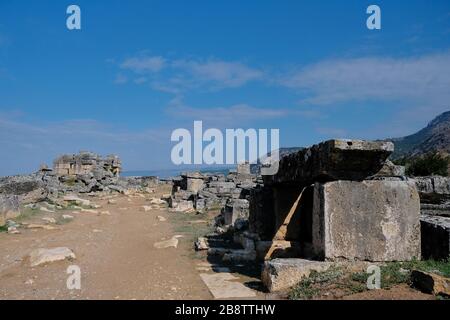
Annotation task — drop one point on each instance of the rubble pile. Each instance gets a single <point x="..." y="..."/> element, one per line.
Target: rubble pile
<point x="72" y="174"/>
<point x="201" y="192"/>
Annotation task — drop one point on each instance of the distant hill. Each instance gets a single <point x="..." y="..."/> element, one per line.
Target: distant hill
<point x="433" y="138"/>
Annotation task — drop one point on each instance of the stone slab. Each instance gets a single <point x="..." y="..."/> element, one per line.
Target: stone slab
<point x="282" y="274"/>
<point x="332" y="160"/>
<point x="369" y="221"/>
<point x="226" y="286"/>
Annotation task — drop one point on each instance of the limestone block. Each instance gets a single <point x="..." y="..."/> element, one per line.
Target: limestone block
<point x="236" y="209"/>
<point x="282" y="274"/>
<point x="369" y="220"/>
<point x="194" y="185"/>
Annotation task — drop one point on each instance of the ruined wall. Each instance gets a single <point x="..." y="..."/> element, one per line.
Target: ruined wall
<point x="85" y="163"/>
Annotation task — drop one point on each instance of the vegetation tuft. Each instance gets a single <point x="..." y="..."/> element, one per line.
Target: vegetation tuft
<point x="427" y="165"/>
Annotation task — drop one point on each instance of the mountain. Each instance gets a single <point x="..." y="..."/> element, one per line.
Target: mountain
<point x="433" y="138"/>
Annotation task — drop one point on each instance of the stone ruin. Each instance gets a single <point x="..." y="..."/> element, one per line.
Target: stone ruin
<point x="85" y="163"/>
<point x="339" y="200"/>
<point x="86" y="172"/>
<point x="201" y="192"/>
<point x="336" y="202"/>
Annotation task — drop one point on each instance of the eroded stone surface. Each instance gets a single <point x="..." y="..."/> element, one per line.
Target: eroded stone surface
<point x="332" y="160"/>
<point x="369" y="220"/>
<point x="282" y="274"/>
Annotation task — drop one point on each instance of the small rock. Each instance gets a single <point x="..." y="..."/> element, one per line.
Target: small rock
<point x="112" y="201"/>
<point x="147" y="208"/>
<point x="67" y="217"/>
<point x="41" y="226"/>
<point x="171" y="243"/>
<point x="42" y="256"/>
<point x="161" y="218"/>
<point x="89" y="211"/>
<point x="49" y="220"/>
<point x="430" y="282"/>
<point x="105" y="213"/>
<point x="13" y="230"/>
<point x="45" y="209"/>
<point x="157" y="201"/>
<point x="76" y="200"/>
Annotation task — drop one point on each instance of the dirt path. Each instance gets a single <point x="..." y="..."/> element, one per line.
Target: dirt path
<point x="114" y="252"/>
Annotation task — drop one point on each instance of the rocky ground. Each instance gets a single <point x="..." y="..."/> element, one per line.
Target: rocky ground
<point x="116" y="249"/>
<point x="132" y="247"/>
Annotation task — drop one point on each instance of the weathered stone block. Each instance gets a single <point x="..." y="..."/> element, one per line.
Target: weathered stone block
<point x="9" y="208"/>
<point x="435" y="237"/>
<point x="332" y="160"/>
<point x="435" y="184"/>
<point x="391" y="170"/>
<point x="282" y="274"/>
<point x="194" y="185"/>
<point x="235" y="209"/>
<point x="369" y="220"/>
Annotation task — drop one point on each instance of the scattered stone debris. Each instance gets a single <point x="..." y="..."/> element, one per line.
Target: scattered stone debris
<point x="147" y="208"/>
<point x="45" y="209"/>
<point x="13" y="230"/>
<point x="89" y="211"/>
<point x="49" y="220"/>
<point x="42" y="256"/>
<point x="40" y="226"/>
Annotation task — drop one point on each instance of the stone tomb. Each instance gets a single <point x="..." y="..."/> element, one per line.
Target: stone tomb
<point x="347" y="210"/>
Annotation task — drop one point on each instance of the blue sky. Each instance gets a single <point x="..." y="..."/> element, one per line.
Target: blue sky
<point x="139" y="69"/>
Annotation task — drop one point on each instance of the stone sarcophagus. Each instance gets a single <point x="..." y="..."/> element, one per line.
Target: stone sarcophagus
<point x="340" y="200"/>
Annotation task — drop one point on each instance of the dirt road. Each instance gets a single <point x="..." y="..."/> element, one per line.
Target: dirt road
<point x="115" y="253"/>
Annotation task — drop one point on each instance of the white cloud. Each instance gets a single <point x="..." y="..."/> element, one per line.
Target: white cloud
<point x="144" y="64"/>
<point x="425" y="78"/>
<point x="229" y="117"/>
<point x="224" y="74"/>
<point x="175" y="76"/>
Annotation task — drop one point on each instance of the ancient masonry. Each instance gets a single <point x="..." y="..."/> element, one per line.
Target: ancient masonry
<point x="85" y="163"/>
<point x="338" y="201"/>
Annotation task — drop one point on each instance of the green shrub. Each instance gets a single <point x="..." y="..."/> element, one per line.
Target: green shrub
<point x="430" y="164"/>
